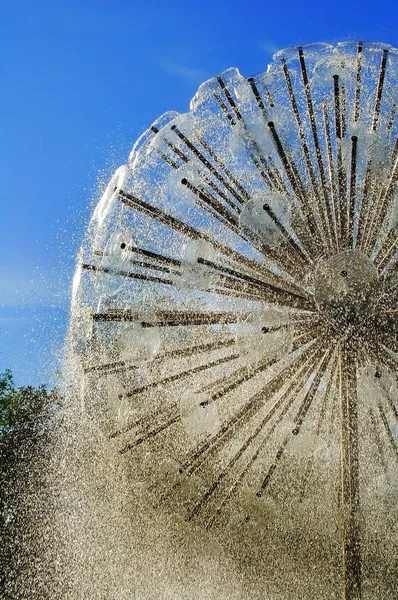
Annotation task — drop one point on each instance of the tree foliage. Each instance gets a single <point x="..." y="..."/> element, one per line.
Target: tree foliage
<point x="22" y="407"/>
<point x="28" y="416"/>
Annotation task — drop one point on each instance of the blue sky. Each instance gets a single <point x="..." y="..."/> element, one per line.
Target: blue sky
<point x="80" y="80"/>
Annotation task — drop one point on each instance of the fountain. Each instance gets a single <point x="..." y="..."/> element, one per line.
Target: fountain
<point x="233" y="340"/>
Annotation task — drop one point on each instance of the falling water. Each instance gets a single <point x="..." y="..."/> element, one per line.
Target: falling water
<point x="232" y="424"/>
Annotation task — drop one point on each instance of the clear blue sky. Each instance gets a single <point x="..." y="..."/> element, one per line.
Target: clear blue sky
<point x="80" y="80"/>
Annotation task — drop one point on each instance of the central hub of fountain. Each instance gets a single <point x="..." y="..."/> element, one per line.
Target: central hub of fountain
<point x="344" y="291"/>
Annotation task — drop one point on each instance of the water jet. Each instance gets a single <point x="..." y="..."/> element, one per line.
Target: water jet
<point x="234" y="323"/>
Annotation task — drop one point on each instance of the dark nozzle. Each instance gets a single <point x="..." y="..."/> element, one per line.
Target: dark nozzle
<point x="184" y="181"/>
<point x="344" y="273"/>
<point x="122" y="245"/>
<point x="378" y="374"/>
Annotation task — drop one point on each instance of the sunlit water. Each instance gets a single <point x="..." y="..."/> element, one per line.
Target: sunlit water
<point x="230" y="428"/>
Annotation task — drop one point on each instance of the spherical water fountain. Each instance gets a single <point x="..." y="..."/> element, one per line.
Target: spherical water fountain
<point x="234" y="322"/>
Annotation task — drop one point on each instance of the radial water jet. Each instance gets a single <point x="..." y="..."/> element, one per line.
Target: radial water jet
<point x="234" y="313"/>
